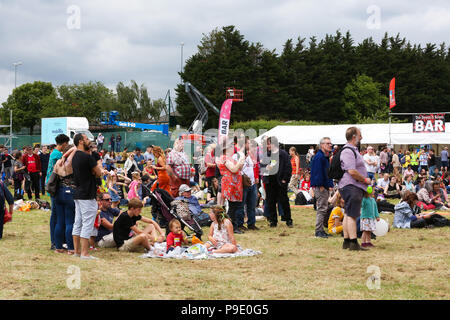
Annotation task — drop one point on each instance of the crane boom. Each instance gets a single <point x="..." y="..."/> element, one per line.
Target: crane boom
<point x="197" y="97"/>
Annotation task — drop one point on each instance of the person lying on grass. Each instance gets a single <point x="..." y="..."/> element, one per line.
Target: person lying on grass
<point x="126" y="223"/>
<point x="221" y="236"/>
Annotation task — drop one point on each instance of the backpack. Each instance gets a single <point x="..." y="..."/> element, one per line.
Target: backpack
<point x="335" y="171"/>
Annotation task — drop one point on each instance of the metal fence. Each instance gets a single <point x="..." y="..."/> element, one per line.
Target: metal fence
<point x="131" y="140"/>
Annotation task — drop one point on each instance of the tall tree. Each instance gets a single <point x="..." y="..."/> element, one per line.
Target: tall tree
<point x="134" y="103"/>
<point x="27" y="103"/>
<point x="363" y="101"/>
<point x="84" y="100"/>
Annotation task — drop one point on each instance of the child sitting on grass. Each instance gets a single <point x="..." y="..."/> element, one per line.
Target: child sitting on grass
<point x="336" y="216"/>
<point x="176" y="237"/>
<point x="369" y="217"/>
<point x="221" y="236"/>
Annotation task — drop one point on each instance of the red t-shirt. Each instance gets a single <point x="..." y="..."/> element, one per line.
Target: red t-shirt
<point x="306" y="185"/>
<point x="31" y="163"/>
<point x="210" y="172"/>
<point x="174" y="240"/>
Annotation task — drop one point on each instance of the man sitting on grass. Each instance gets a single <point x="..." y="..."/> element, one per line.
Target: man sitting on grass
<point x="127" y="223"/>
<point x="105" y="237"/>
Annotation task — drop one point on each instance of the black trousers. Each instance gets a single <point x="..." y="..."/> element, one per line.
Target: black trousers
<point x="277" y="193"/>
<point x="33" y="185"/>
<point x="17" y="189"/>
<point x="232" y="208"/>
<point x="2" y="217"/>
<point x="43" y="177"/>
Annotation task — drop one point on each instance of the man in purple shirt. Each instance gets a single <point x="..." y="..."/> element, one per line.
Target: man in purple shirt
<point x="352" y="186"/>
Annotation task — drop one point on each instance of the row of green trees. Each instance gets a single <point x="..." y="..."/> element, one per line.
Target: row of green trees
<point x="32" y="101"/>
<point x="332" y="80"/>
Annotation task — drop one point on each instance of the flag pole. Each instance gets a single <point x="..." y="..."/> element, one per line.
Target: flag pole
<point x="389" y="128"/>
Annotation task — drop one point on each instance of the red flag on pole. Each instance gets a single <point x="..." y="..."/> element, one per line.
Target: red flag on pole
<point x="392" y="93"/>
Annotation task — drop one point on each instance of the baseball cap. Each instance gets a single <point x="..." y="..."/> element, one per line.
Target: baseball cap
<point x="184" y="188"/>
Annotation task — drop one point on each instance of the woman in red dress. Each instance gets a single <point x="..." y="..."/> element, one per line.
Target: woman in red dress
<point x="232" y="188"/>
<point x="163" y="181"/>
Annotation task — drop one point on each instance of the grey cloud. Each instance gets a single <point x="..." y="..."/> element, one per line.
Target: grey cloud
<point x="140" y="40"/>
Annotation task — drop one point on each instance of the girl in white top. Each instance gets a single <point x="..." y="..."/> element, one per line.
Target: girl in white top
<point x="221" y="236"/>
<point x="130" y="166"/>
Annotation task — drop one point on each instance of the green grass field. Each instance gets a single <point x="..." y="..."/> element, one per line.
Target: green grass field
<point x="413" y="264"/>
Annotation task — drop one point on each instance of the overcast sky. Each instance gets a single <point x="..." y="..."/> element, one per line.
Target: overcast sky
<point x="112" y="41"/>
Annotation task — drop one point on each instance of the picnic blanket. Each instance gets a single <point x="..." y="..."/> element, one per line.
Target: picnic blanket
<point x="195" y="252"/>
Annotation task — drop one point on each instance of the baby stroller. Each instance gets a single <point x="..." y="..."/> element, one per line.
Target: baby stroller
<point x="164" y="209"/>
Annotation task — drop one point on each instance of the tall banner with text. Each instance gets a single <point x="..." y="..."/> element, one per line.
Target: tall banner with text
<point x="392" y="93"/>
<point x="224" y="120"/>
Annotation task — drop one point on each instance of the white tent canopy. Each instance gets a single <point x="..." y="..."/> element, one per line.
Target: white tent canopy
<point x="400" y="134"/>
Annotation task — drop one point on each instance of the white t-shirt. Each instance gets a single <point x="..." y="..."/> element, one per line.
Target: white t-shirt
<point x="382" y="183"/>
<point x="370" y="168"/>
<point x="247" y="169"/>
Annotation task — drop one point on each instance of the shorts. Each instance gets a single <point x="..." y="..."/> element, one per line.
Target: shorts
<point x="85" y="213"/>
<point x="352" y="196"/>
<point x="444" y="164"/>
<point x="107" y="241"/>
<point x="131" y="246"/>
<point x="94" y="232"/>
<point x="368" y="224"/>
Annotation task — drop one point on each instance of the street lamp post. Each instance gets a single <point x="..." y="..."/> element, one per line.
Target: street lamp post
<point x="182" y="44"/>
<point x="16" y="64"/>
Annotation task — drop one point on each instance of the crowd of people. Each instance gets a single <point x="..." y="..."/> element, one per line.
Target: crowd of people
<point x="350" y="204"/>
<point x="225" y="186"/>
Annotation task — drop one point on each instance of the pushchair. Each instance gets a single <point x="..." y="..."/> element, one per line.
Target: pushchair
<point x="164" y="209"/>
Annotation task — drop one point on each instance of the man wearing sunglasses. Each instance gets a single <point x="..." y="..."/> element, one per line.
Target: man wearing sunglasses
<point x="321" y="184"/>
<point x="105" y="236"/>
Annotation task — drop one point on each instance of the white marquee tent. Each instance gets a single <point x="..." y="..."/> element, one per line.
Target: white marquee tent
<point x="380" y="133"/>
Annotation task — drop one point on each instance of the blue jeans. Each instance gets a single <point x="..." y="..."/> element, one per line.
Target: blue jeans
<point x="52" y="220"/>
<point x="65" y="212"/>
<point x="371" y="175"/>
<point x="249" y="199"/>
<point x="117" y="146"/>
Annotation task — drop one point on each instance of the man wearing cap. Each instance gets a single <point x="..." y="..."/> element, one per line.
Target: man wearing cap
<point x="185" y="194"/>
